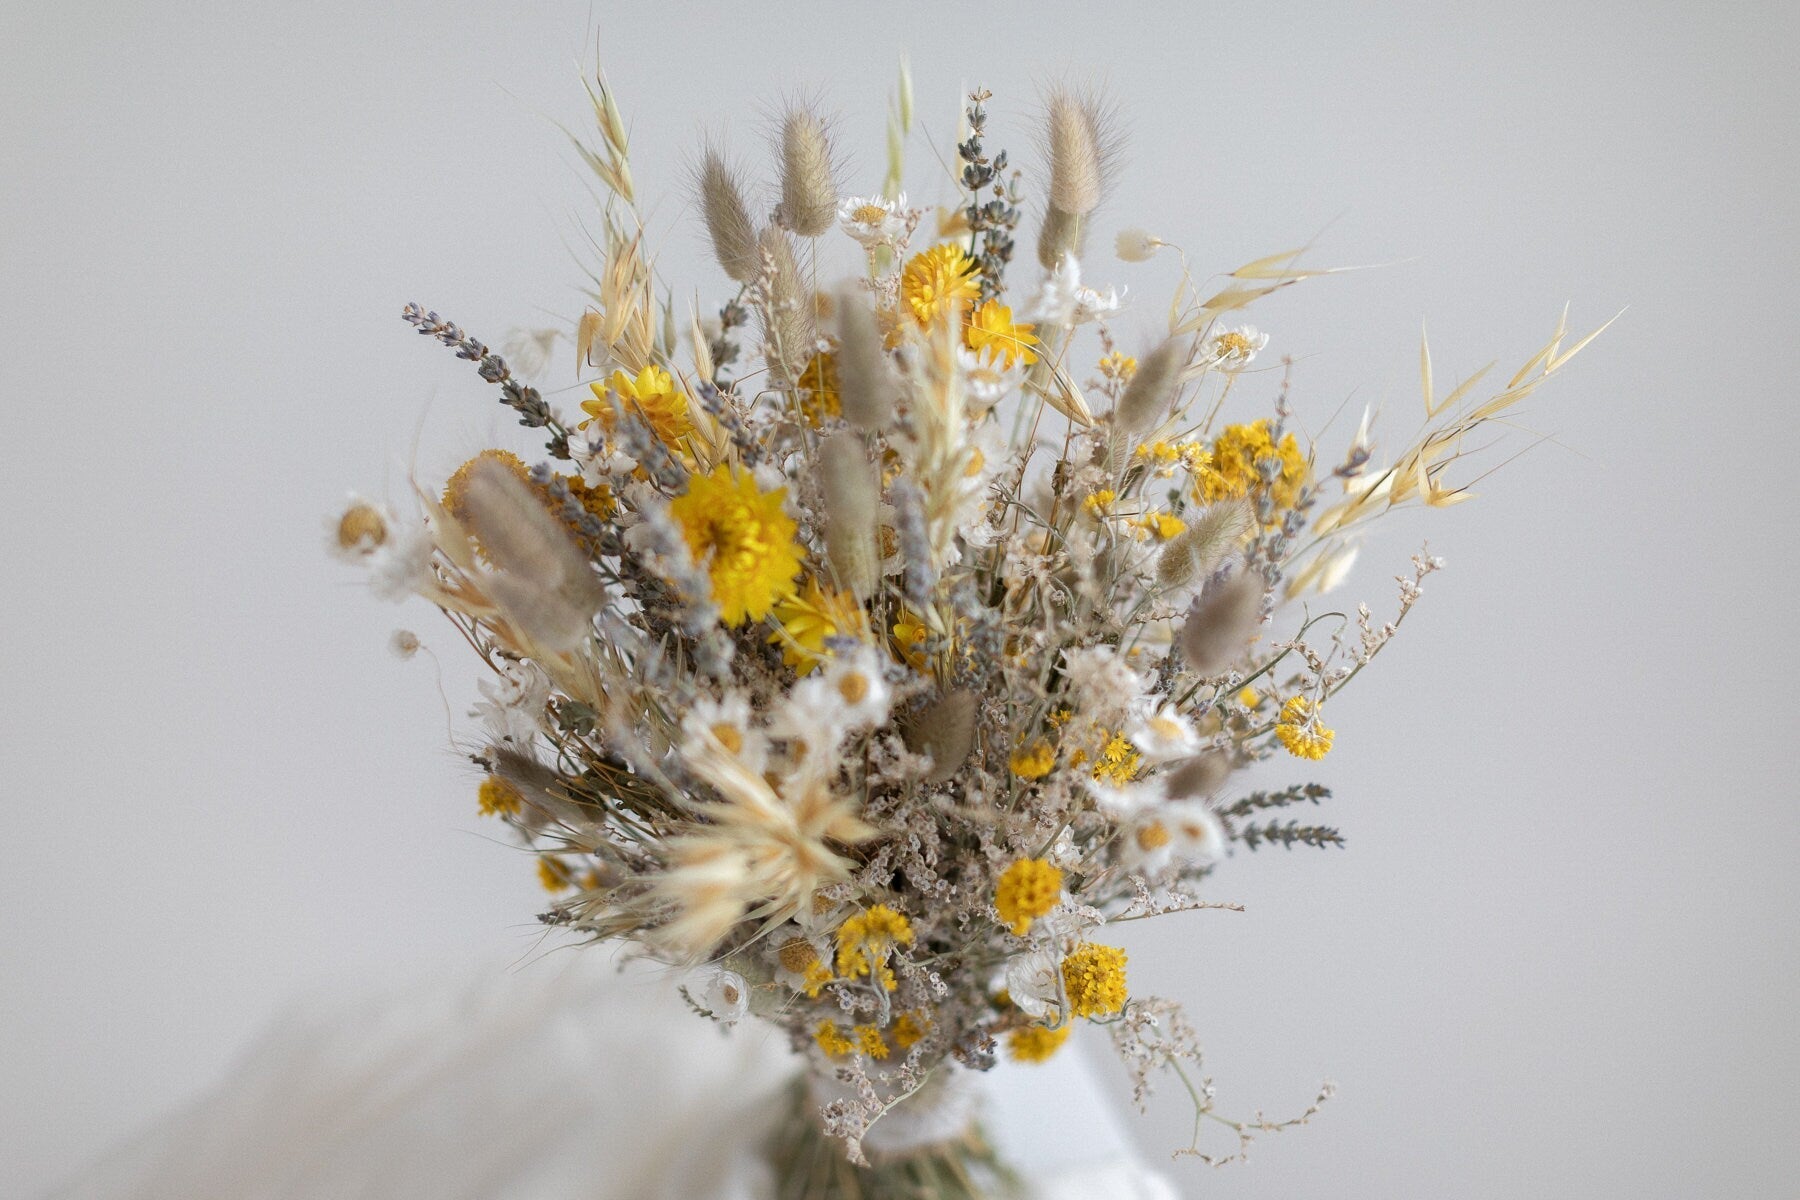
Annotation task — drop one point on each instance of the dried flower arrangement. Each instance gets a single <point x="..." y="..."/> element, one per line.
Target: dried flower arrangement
<point x="872" y="649"/>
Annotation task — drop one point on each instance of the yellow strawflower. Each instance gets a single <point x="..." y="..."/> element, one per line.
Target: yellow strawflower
<point x="1094" y="979"/>
<point x="1035" y="1043"/>
<point x="939" y="281"/>
<point x="652" y="394"/>
<point x="992" y="329"/>
<point x="1027" y="890"/>
<point x="742" y="539"/>
<point x="810" y="616"/>
<point x="1300" y="731"/>
<point x="1097" y="502"/>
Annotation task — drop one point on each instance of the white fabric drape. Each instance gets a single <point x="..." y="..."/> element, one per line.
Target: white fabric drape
<point x="567" y="1080"/>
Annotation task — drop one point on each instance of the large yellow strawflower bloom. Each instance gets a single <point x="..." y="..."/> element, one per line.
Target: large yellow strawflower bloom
<point x="1094" y="978"/>
<point x="742" y="539"/>
<point x="1027" y="890"/>
<point x="1300" y="730"/>
<point x="992" y="329"/>
<point x="1035" y="1043"/>
<point x="809" y="617"/>
<point x="863" y="942"/>
<point x="939" y="281"/>
<point x="1232" y="471"/>
<point x="652" y="394"/>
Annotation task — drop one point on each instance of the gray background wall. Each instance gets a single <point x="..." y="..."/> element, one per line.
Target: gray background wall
<point x="1558" y="958"/>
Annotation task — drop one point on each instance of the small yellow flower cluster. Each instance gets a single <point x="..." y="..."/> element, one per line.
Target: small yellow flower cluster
<point x="1118" y="762"/>
<point x="1034" y="760"/>
<point x="909" y="1029"/>
<point x="1118" y="367"/>
<point x="864" y="940"/>
<point x="1035" y="1043"/>
<point x="555" y="874"/>
<point x="798" y="956"/>
<point x="867" y="1039"/>
<point x="1159" y="455"/>
<point x="821" y="397"/>
<point x="1300" y="732"/>
<point x="833" y="1043"/>
<point x="1097" y="503"/>
<point x="498" y="798"/>
<point x="1094" y="978"/>
<point x="742" y="538"/>
<point x="1027" y="890"/>
<point x="1234" y="470"/>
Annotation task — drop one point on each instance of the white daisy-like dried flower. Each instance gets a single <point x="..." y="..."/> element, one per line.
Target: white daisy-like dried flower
<point x="395" y="553"/>
<point x="873" y="220"/>
<point x="1234" y="349"/>
<point x="725" y="723"/>
<point x="1162" y="734"/>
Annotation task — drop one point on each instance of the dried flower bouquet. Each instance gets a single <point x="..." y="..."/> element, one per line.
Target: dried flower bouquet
<point x="872" y="648"/>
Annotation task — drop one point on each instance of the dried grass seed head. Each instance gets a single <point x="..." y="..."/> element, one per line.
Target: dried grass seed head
<point x="1221" y="623"/>
<point x="727" y="214"/>
<point x="866" y="382"/>
<point x="808" y="195"/>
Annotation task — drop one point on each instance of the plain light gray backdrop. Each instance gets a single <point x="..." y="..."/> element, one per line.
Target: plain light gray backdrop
<point x="1558" y="958"/>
